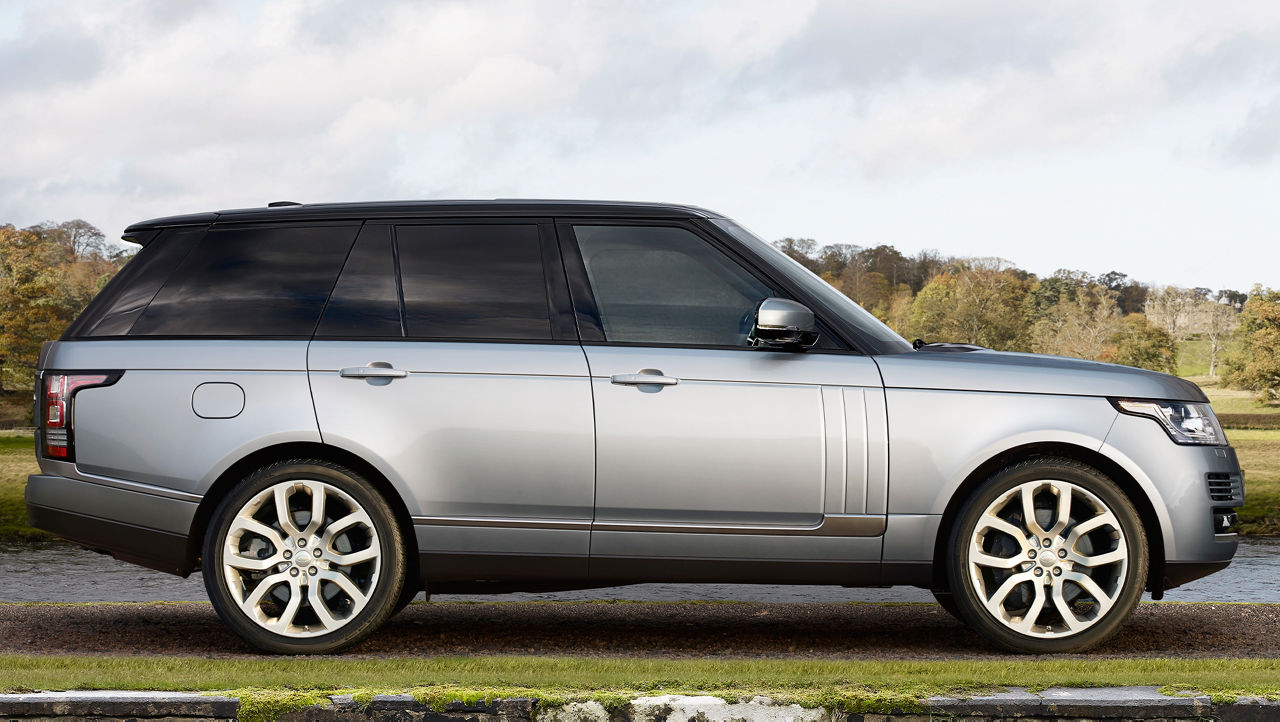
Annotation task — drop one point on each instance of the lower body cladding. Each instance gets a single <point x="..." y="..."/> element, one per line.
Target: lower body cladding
<point x="151" y="527"/>
<point x="476" y="555"/>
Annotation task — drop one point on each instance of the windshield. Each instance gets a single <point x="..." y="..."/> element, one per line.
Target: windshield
<point x="815" y="286"/>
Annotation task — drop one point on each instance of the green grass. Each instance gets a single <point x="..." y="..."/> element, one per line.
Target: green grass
<point x="276" y="685"/>
<point x="1193" y="357"/>
<point x="17" y="460"/>
<point x="1232" y="401"/>
<point x="1259" y="452"/>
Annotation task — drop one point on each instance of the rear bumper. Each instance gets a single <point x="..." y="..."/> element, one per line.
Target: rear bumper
<point x="132" y="526"/>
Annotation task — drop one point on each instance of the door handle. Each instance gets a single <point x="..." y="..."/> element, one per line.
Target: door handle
<point x="372" y="372"/>
<point x="644" y="378"/>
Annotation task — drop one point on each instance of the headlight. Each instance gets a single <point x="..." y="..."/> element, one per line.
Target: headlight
<point x="1187" y="423"/>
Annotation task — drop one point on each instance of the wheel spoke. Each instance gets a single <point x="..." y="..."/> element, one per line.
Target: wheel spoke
<point x="345" y="560"/>
<point x="1033" y="612"/>
<point x="1064" y="510"/>
<point x="245" y="523"/>
<point x="317" y="508"/>
<point x="250" y="603"/>
<point x="1091" y="587"/>
<point x="1090" y="525"/>
<point x="1028" y="494"/>
<point x="283" y="515"/>
<point x="250" y="564"/>
<point x="1097" y="560"/>
<point x="1069" y="617"/>
<point x="343" y="524"/>
<point x="995" y="603"/>
<point x="321" y="607"/>
<point x="285" y="620"/>
<point x="991" y="521"/>
<point x="981" y="558"/>
<point x="345" y="584"/>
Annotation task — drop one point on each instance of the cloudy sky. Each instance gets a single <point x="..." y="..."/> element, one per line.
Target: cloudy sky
<point x="1140" y="137"/>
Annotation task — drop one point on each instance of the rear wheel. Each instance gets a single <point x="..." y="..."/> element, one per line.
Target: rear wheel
<point x="1048" y="555"/>
<point x="303" y="557"/>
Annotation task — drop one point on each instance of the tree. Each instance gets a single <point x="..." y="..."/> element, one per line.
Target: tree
<point x="1254" y="363"/>
<point x="48" y="273"/>
<point x="1138" y="342"/>
<point x="1081" y="324"/>
<point x="1171" y="309"/>
<point x="1216" y="321"/>
<point x="801" y="249"/>
<point x="976" y="301"/>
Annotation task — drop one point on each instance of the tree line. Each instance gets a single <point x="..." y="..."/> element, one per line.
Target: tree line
<point x="50" y="271"/>
<point x="1110" y="317"/>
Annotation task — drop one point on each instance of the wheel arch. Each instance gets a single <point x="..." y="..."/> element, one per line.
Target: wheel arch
<point x="1113" y="470"/>
<point x="238" y="470"/>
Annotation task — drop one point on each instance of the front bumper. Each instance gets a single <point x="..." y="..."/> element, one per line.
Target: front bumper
<point x="132" y="526"/>
<point x="1191" y="490"/>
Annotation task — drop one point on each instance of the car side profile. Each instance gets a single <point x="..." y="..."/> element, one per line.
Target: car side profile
<point x="328" y="408"/>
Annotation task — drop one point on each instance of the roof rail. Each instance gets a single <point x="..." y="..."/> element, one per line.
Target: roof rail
<point x="278" y="204"/>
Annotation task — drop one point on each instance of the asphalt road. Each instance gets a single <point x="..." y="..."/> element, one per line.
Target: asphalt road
<point x="800" y="630"/>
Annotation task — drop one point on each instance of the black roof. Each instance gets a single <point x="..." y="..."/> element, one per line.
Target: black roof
<point x="426" y="209"/>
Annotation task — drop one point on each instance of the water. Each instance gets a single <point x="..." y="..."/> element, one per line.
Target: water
<point x="63" y="573"/>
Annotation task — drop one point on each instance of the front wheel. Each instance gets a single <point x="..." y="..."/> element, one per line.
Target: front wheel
<point x="303" y="557"/>
<point x="1047" y="555"/>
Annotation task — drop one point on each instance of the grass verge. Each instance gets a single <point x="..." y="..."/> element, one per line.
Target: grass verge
<point x="17" y="460"/>
<point x="271" y="687"/>
<point x="1259" y="452"/>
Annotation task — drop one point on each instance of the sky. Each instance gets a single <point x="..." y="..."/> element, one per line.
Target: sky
<point x="1137" y="137"/>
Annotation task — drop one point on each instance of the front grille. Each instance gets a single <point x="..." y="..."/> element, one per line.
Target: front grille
<point x="1224" y="487"/>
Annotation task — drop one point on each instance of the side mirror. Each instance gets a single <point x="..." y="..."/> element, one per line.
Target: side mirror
<point x="783" y="324"/>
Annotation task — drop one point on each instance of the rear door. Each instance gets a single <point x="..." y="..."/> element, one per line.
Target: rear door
<point x="448" y="357"/>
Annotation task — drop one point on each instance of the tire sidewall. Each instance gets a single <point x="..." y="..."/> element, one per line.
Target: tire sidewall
<point x="391" y="571"/>
<point x="968" y="599"/>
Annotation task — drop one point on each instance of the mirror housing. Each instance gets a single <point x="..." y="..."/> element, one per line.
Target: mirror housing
<point x="783" y="324"/>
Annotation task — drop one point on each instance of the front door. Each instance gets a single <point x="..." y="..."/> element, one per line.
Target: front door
<point x="713" y="455"/>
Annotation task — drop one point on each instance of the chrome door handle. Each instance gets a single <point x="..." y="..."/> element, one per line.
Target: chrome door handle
<point x="372" y="372"/>
<point x="644" y="378"/>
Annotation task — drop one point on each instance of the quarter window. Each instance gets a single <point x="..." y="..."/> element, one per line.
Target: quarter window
<point x="250" y="281"/>
<point x="665" y="285"/>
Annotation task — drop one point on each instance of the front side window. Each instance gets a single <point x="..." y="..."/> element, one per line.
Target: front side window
<point x="665" y="285"/>
<point x="473" y="281"/>
<point x="250" y="281"/>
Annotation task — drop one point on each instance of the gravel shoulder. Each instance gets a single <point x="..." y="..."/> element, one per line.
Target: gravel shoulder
<point x="669" y="630"/>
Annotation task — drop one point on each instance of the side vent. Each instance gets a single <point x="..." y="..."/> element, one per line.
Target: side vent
<point x="1225" y="488"/>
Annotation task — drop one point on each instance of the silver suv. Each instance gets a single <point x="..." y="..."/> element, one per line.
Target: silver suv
<point x="328" y="408"/>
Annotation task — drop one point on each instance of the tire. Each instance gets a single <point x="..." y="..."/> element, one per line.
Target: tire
<point x="407" y="593"/>
<point x="328" y="585"/>
<point x="1059" y="583"/>
<point x="947" y="601"/>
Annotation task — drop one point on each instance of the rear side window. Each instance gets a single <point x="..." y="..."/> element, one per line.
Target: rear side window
<point x="474" y="281"/>
<point x="251" y="281"/>
<point x="118" y="307"/>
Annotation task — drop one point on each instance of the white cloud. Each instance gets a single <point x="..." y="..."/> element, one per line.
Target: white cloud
<point x="794" y="112"/>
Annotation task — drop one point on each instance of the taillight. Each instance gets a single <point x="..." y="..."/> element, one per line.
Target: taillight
<point x="58" y="415"/>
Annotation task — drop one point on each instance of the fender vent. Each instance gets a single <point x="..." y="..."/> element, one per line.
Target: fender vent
<point x="1224" y="487"/>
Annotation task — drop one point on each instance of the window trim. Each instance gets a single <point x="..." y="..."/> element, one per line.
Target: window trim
<point x="586" y="310"/>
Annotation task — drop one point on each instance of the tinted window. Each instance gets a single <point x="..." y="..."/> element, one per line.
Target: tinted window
<point x="255" y="281"/>
<point x="666" y="285"/>
<point x="365" y="303"/>
<point x="124" y="299"/>
<point x="473" y="281"/>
